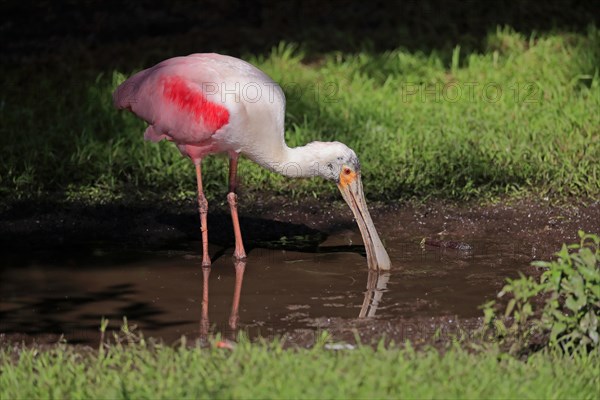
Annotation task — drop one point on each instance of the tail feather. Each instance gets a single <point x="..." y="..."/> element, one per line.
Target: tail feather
<point x="124" y="95"/>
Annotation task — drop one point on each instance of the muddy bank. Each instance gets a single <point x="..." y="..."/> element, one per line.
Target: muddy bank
<point x="65" y="266"/>
<point x="51" y="225"/>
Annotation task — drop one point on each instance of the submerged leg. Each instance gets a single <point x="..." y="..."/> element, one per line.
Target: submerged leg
<point x="203" y="208"/>
<point x="239" y="252"/>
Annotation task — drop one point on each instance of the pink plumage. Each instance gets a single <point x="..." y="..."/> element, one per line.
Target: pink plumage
<point x="211" y="103"/>
<point x="191" y="101"/>
<point x="172" y="97"/>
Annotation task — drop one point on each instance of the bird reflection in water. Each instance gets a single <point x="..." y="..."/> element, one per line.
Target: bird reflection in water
<point x="376" y="286"/>
<point x="234" y="316"/>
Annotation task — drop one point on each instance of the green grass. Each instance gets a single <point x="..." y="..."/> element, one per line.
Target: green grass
<point x="268" y="371"/>
<point x="401" y="111"/>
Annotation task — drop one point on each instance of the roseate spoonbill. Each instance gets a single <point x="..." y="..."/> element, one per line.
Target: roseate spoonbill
<point x="211" y="103"/>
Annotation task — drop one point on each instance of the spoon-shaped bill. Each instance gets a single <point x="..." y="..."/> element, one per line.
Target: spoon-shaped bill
<point x="352" y="191"/>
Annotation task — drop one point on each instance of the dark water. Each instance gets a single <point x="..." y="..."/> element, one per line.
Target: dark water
<point x="277" y="291"/>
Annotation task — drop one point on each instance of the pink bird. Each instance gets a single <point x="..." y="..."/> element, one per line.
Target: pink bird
<point x="211" y="103"/>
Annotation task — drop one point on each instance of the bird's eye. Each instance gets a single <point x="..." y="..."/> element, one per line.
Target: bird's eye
<point x="347" y="171"/>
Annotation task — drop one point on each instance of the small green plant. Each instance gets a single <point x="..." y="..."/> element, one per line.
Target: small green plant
<point x="103" y="325"/>
<point x="573" y="283"/>
<point x="568" y="294"/>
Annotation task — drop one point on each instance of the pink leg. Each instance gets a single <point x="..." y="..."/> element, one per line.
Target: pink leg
<point x="239" y="252"/>
<point x="203" y="208"/>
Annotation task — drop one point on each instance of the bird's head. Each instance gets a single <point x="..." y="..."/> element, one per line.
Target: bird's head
<point x="337" y="162"/>
<point x="333" y="161"/>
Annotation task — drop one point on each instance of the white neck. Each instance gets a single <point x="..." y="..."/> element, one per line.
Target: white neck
<point x="295" y="162"/>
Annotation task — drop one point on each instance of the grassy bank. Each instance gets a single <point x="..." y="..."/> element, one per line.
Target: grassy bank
<point x="267" y="371"/>
<point x="517" y="118"/>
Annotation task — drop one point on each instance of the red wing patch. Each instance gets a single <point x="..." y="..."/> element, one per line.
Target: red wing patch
<point x="178" y="92"/>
